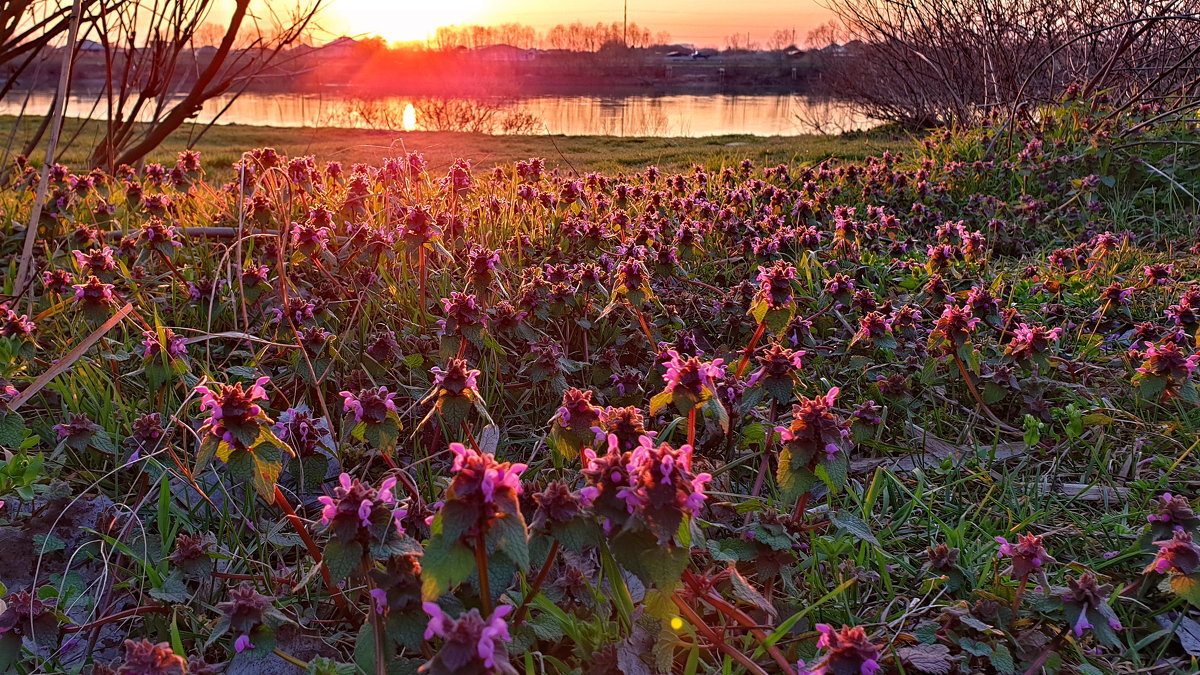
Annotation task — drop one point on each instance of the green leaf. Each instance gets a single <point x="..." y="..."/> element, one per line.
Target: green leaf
<point x="12" y="432"/>
<point x="852" y="524"/>
<point x="407" y="629"/>
<point x="661" y="400"/>
<point x="48" y="543"/>
<point x="342" y="559"/>
<point x="1002" y="660"/>
<point x="324" y="666"/>
<point x="732" y="550"/>
<point x="975" y="648"/>
<point x="444" y="565"/>
<point x="364" y="647"/>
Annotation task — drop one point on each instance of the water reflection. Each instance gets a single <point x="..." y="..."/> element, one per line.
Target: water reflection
<point x="676" y="115"/>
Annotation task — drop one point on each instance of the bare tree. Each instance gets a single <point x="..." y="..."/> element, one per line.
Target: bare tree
<point x="158" y="75"/>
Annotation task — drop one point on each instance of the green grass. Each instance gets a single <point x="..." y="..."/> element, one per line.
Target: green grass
<point x="1070" y="442"/>
<point x="223" y="144"/>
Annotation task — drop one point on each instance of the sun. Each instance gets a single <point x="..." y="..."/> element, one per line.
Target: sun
<point x="402" y="20"/>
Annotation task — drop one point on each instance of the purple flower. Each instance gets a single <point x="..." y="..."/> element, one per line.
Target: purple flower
<point x="469" y="640"/>
<point x="176" y="346"/>
<point x="1027" y="554"/>
<point x="233" y="414"/>
<point x="480" y="472"/>
<point x="369" y="405"/>
<point x="691" y="374"/>
<point x="847" y="650"/>
<point x="243" y="643"/>
<point x="355" y="507"/>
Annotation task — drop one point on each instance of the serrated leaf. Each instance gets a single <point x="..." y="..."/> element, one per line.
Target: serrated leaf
<point x="342" y="559"/>
<point x="12" y="429"/>
<point x="853" y="525"/>
<point x="1002" y="660"/>
<point x="927" y="658"/>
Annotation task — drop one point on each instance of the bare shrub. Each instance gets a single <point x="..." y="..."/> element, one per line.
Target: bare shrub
<point x="937" y="62"/>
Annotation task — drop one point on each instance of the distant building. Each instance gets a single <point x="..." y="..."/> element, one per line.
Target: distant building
<point x="505" y="53"/>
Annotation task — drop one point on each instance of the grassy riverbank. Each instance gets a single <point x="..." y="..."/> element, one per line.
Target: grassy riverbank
<point x="222" y="145"/>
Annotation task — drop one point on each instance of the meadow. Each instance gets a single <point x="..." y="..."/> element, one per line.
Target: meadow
<point x="224" y="144"/>
<point x="929" y="408"/>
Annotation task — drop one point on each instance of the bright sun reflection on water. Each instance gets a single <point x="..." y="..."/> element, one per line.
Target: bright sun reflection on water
<point x="408" y="118"/>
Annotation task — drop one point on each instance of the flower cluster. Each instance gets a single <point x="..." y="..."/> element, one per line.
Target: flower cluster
<point x="470" y="644"/>
<point x="234" y="415"/>
<point x="359" y="512"/>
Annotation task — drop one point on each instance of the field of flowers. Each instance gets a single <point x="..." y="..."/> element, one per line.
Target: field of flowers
<point x="933" y="412"/>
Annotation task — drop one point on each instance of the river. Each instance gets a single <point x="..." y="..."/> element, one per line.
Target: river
<point x="690" y="115"/>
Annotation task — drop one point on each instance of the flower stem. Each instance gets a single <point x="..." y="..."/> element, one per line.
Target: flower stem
<point x="481" y="562"/>
<point x="745" y="361"/>
<point x="692" y="427"/>
<point x="801" y="505"/>
<point x="765" y="464"/>
<point x="471" y="438"/>
<point x="715" y="639"/>
<point x="537" y="585"/>
<point x="645" y="328"/>
<point x="314" y="551"/>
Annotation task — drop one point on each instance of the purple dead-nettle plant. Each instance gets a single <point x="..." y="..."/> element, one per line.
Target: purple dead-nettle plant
<point x="365" y="523"/>
<point x="79" y="433"/>
<point x="163" y="343"/>
<point x="1159" y="274"/>
<point x="607" y="475"/>
<point x="480" y="518"/>
<point x="663" y="493"/>
<point x="455" y="392"/>
<point x="1171" y="513"/>
<point x="1085" y="603"/>
<point x="1178" y="556"/>
<point x="1166" y="372"/>
<point x="309" y="239"/>
<point x="847" y="651"/>
<point x="374" y="415"/>
<point x="690" y="384"/>
<point x="1027" y="557"/>
<point x="572" y="424"/>
<point x="464" y="318"/>
<point x="97" y="262"/>
<point x="626" y="424"/>
<point x="238" y="432"/>
<point x="251" y="617"/>
<point x="815" y="447"/>
<point x="1032" y="343"/>
<point x="778" y="372"/>
<point x="159" y="236"/>
<point x="470" y="643"/>
<point x="95" y="298"/>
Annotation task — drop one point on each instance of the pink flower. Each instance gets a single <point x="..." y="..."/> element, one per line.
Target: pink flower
<point x="369" y="405"/>
<point x="242" y="643"/>
<point x="481" y="471"/>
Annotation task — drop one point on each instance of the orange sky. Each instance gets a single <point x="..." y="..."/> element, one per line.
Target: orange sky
<point x="701" y="22"/>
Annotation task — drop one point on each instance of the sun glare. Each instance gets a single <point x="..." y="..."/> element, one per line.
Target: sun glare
<point x="403" y="20"/>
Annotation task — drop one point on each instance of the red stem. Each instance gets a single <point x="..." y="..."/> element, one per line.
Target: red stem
<point x="537" y="585"/>
<point x="313" y="550"/>
<point x="711" y="636"/>
<point x="692" y="427"/>
<point x="136" y="611"/>
<point x="758" y="333"/>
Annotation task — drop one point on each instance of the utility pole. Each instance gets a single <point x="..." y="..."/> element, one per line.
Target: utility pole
<point x="625" y="30"/>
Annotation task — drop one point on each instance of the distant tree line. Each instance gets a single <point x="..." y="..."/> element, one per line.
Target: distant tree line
<point x="576" y="37"/>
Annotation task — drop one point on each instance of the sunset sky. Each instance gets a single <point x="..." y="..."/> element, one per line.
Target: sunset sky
<point x="701" y="22"/>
